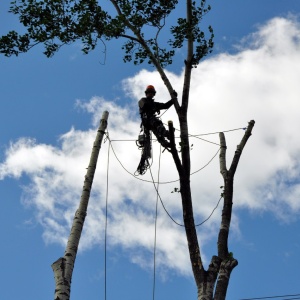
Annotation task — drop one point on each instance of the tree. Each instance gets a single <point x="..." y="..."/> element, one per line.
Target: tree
<point x="63" y="267"/>
<point x="55" y="23"/>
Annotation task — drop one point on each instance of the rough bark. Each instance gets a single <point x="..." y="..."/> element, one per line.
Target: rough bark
<point x="187" y="207"/>
<point x="63" y="267"/>
<point x="223" y="278"/>
<point x="206" y="287"/>
<point x="213" y="282"/>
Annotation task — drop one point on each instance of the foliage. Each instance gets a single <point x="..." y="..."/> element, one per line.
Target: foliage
<point x="55" y="23"/>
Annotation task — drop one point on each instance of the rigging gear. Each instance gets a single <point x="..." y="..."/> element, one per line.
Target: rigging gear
<point x="144" y="143"/>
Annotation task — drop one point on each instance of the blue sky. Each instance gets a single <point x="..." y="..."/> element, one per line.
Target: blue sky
<point x="49" y="113"/>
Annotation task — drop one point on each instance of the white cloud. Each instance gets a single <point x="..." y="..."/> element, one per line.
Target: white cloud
<point x="259" y="82"/>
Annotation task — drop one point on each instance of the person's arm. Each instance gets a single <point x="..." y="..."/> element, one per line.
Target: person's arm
<point x="159" y="106"/>
<point x="142" y="105"/>
<point x="141" y="102"/>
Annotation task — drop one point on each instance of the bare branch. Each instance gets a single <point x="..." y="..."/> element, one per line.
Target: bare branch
<point x="240" y="147"/>
<point x="223" y="169"/>
<point x="188" y="61"/>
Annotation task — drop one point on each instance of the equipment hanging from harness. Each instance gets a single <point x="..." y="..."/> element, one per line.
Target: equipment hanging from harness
<point x="144" y="144"/>
<point x="149" y="109"/>
<point x="150" y="122"/>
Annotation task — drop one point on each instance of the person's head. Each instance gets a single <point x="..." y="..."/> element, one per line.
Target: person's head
<point x="150" y="91"/>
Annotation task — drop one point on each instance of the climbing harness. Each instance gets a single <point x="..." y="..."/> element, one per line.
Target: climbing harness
<point x="144" y="143"/>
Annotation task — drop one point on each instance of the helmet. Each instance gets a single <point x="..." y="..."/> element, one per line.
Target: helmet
<point x="150" y="88"/>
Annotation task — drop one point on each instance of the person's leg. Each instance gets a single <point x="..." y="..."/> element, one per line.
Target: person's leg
<point x="160" y="132"/>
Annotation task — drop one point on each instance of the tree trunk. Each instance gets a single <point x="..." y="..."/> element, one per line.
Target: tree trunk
<point x="63" y="267"/>
<point x="207" y="285"/>
<point x="228" y="261"/>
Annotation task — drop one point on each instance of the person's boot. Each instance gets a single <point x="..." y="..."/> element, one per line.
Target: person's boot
<point x="163" y="132"/>
<point x="167" y="134"/>
<point x="163" y="142"/>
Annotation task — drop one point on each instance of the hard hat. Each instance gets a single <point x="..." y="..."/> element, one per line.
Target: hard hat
<point x="150" y="88"/>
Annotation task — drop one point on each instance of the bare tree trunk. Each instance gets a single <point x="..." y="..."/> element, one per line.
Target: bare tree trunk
<point x="214" y="282"/>
<point x="63" y="267"/>
<point x="228" y="261"/>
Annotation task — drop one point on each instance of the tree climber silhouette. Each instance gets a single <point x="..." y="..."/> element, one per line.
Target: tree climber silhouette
<point x="148" y="110"/>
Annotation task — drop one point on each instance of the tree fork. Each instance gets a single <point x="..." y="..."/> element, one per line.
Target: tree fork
<point x="63" y="267"/>
<point x="228" y="261"/>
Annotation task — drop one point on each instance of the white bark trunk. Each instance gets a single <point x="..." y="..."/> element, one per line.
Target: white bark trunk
<point x="63" y="267"/>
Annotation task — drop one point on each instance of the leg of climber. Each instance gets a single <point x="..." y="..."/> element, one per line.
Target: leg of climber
<point x="160" y="132"/>
<point x="163" y="131"/>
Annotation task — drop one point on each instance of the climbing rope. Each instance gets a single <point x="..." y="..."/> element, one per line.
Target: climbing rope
<point x="169" y="215"/>
<point x="144" y="144"/>
<point x="106" y="212"/>
<point x="144" y="164"/>
<point x="156" y="208"/>
<point x="162" y="182"/>
<point x="155" y="230"/>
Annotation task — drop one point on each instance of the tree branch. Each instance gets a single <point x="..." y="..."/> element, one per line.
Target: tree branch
<point x="240" y="147"/>
<point x="143" y="43"/>
<point x="189" y="58"/>
<point x="116" y="7"/>
<point x="223" y="169"/>
<point x="174" y="150"/>
<point x="228" y="261"/>
<point x="129" y="37"/>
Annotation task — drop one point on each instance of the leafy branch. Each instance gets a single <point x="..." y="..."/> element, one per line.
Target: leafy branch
<point x="55" y="23"/>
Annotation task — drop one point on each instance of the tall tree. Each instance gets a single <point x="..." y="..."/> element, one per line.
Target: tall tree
<point x="55" y="23"/>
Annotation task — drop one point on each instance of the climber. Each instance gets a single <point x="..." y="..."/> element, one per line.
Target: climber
<point x="148" y="109"/>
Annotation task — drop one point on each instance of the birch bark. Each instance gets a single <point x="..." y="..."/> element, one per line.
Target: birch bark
<point x="63" y="267"/>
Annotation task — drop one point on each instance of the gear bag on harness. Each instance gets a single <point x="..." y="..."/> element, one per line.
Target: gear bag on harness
<point x="144" y="144"/>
